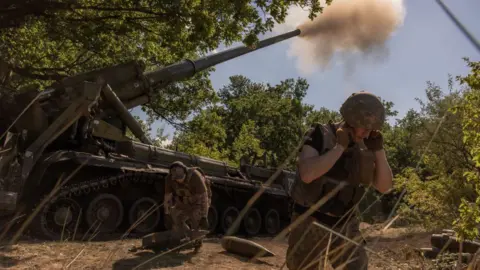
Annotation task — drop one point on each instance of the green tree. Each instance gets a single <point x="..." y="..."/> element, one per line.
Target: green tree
<point x="323" y="115"/>
<point x="247" y="142"/>
<point x="44" y="41"/>
<point x="250" y="119"/>
<point x="469" y="110"/>
<point x="432" y="158"/>
<point x="277" y="112"/>
<point x="157" y="140"/>
<point x="399" y="145"/>
<point x="400" y="139"/>
<point x="204" y="135"/>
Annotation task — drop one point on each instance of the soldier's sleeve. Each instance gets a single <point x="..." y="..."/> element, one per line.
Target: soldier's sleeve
<point x="316" y="139"/>
<point x="198" y="186"/>
<point x="199" y="193"/>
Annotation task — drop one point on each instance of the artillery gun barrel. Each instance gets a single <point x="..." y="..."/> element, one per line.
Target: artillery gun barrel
<point x="214" y="59"/>
<point x="187" y="68"/>
<point x="135" y="93"/>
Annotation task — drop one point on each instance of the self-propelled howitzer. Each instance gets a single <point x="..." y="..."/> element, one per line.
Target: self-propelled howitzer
<point x="74" y="133"/>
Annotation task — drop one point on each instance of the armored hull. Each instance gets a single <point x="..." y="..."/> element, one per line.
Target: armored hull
<point x="121" y="192"/>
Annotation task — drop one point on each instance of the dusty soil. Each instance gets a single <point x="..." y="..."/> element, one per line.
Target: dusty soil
<point x="393" y="249"/>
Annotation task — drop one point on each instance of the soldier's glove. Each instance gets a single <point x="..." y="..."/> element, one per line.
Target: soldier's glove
<point x="375" y="141"/>
<point x="204" y="223"/>
<point x="343" y="137"/>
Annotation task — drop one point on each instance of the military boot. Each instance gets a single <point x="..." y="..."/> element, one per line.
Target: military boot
<point x="197" y="245"/>
<point x="199" y="235"/>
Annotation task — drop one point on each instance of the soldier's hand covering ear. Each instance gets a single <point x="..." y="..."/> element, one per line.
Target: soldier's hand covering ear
<point x="343" y="137"/>
<point x="375" y="141"/>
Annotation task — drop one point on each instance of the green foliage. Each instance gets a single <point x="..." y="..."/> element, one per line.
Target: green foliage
<point x="205" y="136"/>
<point x="469" y="112"/>
<point x="247" y="142"/>
<point x="47" y="40"/>
<point x="434" y="155"/>
<point x="323" y="115"/>
<point x="252" y="120"/>
<point x="447" y="261"/>
<point x="432" y="201"/>
<point x="159" y="138"/>
<point x="399" y="142"/>
<point x="44" y="41"/>
<point x="277" y="112"/>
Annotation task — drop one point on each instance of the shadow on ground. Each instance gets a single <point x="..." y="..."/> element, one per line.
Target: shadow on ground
<point x="245" y="259"/>
<point x="8" y="262"/>
<point x="164" y="261"/>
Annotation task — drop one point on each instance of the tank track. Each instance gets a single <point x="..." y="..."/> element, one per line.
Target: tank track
<point x="80" y="191"/>
<point x="79" y="195"/>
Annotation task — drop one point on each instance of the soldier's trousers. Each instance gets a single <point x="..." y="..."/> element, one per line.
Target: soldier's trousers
<point x="309" y="252"/>
<point x="181" y="214"/>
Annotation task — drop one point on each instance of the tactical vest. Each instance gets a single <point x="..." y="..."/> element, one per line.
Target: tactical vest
<point x="182" y="190"/>
<point x="204" y="178"/>
<point x="359" y="168"/>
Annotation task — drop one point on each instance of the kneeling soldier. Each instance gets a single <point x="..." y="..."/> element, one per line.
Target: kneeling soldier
<point x="191" y="195"/>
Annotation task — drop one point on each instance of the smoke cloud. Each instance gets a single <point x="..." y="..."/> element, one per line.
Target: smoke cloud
<point x="352" y="30"/>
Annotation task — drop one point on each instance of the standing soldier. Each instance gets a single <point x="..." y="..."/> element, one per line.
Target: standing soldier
<point x="350" y="151"/>
<point x="191" y="194"/>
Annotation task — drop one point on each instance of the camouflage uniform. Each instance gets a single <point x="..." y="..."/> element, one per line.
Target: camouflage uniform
<point x="192" y="199"/>
<point x="307" y="243"/>
<point x="304" y="253"/>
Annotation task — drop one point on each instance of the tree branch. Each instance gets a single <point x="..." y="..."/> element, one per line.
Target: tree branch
<point x="85" y="19"/>
<point x="16" y="16"/>
<point x="27" y="72"/>
<point x="180" y="126"/>
<point x="118" y="9"/>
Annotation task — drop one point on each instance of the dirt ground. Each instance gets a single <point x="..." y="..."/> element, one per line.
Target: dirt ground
<point x="393" y="249"/>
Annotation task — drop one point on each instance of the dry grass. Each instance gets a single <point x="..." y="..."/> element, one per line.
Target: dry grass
<point x="396" y="244"/>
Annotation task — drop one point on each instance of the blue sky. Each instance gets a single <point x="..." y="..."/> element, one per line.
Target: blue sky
<point x="427" y="47"/>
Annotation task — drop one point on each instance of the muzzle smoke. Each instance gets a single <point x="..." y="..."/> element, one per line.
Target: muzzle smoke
<point x="346" y="27"/>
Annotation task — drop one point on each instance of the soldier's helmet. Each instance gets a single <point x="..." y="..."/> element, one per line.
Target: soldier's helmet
<point x="178" y="170"/>
<point x="363" y="110"/>
<point x="178" y="164"/>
